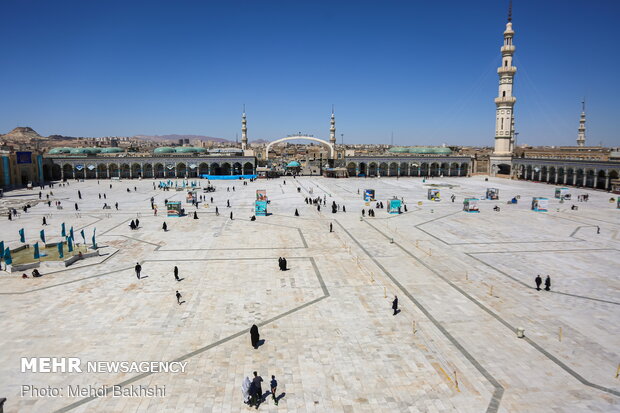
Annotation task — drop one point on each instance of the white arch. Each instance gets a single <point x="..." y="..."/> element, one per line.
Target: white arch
<point x="310" y="138"/>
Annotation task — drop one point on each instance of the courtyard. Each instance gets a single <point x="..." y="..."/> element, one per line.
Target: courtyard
<point x="465" y="284"/>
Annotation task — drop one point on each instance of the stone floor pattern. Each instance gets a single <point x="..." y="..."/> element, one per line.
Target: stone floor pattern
<point x="465" y="283"/>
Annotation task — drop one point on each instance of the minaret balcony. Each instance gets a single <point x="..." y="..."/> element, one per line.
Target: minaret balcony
<point x="508" y="48"/>
<point x="507" y="70"/>
<point x="506" y="100"/>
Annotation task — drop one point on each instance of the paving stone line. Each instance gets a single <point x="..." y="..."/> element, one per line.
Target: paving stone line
<point x="215" y="344"/>
<point x="504" y="322"/>
<point x="498" y="388"/>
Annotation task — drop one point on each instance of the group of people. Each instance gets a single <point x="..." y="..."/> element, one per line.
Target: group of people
<point x="252" y="390"/>
<point x="539" y="282"/>
<point x="134" y="224"/>
<point x="282" y="264"/>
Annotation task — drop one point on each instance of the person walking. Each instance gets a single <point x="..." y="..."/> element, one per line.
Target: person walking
<point x="217" y="212"/>
<point x="44" y="221"/>
<point x="231" y="215"/>
<point x="178" y="294"/>
<point x="132" y="225"/>
<point x="79" y="194"/>
<point x="283" y="264"/>
<point x="547" y="283"/>
<point x="176" y="273"/>
<point x="257" y="380"/>
<point x="538" y="282"/>
<point x="254" y="336"/>
<point x="280" y="263"/>
<point x="76" y="206"/>
<point x="395" y="305"/>
<point x="116" y="205"/>
<point x="296" y="212"/>
<point x="274" y="389"/>
<point x="331" y="227"/>
<point x="137" y="223"/>
<point x="164" y="227"/>
<point x="598" y="229"/>
<point x="138" y="268"/>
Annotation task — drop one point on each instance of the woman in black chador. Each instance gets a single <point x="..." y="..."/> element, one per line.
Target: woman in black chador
<point x="254" y="336"/>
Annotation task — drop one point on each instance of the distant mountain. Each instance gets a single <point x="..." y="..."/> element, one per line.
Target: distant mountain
<point x="159" y="138"/>
<point x="21" y="134"/>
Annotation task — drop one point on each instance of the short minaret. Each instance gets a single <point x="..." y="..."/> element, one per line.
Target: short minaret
<point x="332" y="129"/>
<point x="505" y="101"/>
<point x="581" y="136"/>
<point x="244" y="131"/>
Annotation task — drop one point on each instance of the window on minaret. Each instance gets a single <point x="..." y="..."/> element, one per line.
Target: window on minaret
<point x="502" y="128"/>
<point x="504" y="93"/>
<point x="505" y="63"/>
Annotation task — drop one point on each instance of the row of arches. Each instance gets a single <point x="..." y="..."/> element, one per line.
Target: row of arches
<point x="407" y="169"/>
<point x="574" y="176"/>
<point x="147" y="170"/>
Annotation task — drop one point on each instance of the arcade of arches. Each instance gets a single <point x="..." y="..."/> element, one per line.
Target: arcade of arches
<point x="373" y="168"/>
<point x="163" y="169"/>
<point x="580" y="176"/>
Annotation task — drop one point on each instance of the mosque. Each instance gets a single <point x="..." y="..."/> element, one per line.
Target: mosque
<point x="576" y="166"/>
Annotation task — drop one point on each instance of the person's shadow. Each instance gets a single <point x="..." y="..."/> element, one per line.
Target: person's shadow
<point x="182" y="302"/>
<point x="180" y="279"/>
<point x="281" y="396"/>
<point x="260" y="342"/>
<point x="397" y="311"/>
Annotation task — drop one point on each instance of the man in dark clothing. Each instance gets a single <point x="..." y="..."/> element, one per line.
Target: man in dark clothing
<point x="44" y="221"/>
<point x="165" y="227"/>
<point x="138" y="268"/>
<point x="257" y="380"/>
<point x="395" y="305"/>
<point x="231" y="216"/>
<point x="195" y="215"/>
<point x="116" y="205"/>
<point x="137" y="222"/>
<point x="547" y="283"/>
<point x="217" y="212"/>
<point x="178" y="294"/>
<point x="344" y="209"/>
<point x="132" y="225"/>
<point x="283" y="264"/>
<point x="296" y="212"/>
<point x="76" y="206"/>
<point x="280" y="263"/>
<point x="598" y="229"/>
<point x="274" y="389"/>
<point x="176" y="273"/>
<point x="79" y="195"/>
<point x="254" y="336"/>
<point x="331" y="227"/>
<point x="538" y="282"/>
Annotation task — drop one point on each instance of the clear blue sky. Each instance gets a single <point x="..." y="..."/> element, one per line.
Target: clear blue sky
<point x="424" y="70"/>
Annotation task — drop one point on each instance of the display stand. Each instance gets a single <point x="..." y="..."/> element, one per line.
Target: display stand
<point x="174" y="209"/>
<point x="191" y="196"/>
<point x="261" y="195"/>
<point x="260" y="208"/>
<point x="471" y="205"/>
<point x="394" y="206"/>
<point x="492" y="193"/>
<point x="369" y="195"/>
<point x="433" y="195"/>
<point x="562" y="193"/>
<point x="540" y="204"/>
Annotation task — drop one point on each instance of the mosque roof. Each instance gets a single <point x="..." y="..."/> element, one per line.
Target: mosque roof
<point x="293" y="164"/>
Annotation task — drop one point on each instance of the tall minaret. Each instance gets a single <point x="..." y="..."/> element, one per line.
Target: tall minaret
<point x="581" y="136"/>
<point x="504" y="112"/>
<point x="244" y="131"/>
<point x="332" y="129"/>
